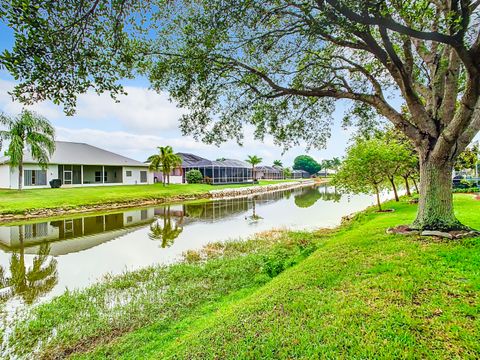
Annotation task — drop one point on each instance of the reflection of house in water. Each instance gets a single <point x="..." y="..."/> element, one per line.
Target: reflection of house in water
<point x="73" y="235"/>
<point x="220" y="209"/>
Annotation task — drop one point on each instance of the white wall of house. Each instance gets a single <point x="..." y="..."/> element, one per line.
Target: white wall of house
<point x="174" y="179"/>
<point x="4" y="176"/>
<point x="9" y="177"/>
<point x="132" y="176"/>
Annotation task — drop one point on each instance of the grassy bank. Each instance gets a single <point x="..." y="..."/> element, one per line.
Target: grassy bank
<point x="167" y="298"/>
<point x="361" y="294"/>
<point x="19" y="202"/>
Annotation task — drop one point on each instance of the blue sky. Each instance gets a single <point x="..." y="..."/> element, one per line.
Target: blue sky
<point x="144" y="119"/>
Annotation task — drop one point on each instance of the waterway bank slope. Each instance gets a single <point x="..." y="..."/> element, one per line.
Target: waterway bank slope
<point x="354" y="291"/>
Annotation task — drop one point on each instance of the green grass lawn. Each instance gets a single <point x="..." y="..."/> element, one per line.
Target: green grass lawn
<point x="18" y="202"/>
<point x="355" y="292"/>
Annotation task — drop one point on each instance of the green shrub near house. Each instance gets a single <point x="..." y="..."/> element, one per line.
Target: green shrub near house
<point x="194" y="177"/>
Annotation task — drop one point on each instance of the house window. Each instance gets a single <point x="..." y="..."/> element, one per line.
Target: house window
<point x="129" y="173"/>
<point x="98" y="176"/>
<point x="143" y="214"/>
<point x="143" y="176"/>
<point x="35" y="177"/>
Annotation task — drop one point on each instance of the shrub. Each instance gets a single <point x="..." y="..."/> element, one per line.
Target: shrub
<point x="467" y="190"/>
<point x="194" y="177"/>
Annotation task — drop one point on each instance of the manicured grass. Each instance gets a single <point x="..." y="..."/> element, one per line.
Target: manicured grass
<point x="18" y="202"/>
<point x="166" y="297"/>
<point x="361" y="294"/>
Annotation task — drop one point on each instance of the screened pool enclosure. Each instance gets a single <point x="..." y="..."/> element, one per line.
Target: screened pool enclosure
<point x="224" y="171"/>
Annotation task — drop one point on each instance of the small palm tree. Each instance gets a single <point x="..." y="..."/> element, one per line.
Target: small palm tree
<point x="31" y="131"/>
<point x="254" y="160"/>
<point x="165" y="161"/>
<point x="278" y="163"/>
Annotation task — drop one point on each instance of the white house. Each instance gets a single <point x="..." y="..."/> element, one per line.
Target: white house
<point x="77" y="164"/>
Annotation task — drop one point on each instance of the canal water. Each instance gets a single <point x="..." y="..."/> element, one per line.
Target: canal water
<point x="41" y="259"/>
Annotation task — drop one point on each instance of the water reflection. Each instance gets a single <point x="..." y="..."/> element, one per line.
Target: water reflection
<point x="41" y="259"/>
<point x="311" y="195"/>
<point x="32" y="282"/>
<point x="166" y="230"/>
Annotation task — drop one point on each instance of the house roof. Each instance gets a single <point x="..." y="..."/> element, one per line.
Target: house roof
<point x="72" y="153"/>
<point x="300" y="172"/>
<point x="190" y="160"/>
<point x="271" y="169"/>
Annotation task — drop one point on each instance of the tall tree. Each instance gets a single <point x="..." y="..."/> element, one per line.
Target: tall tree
<point x="165" y="161"/>
<point x="27" y="132"/>
<point x="327" y="165"/>
<point x="307" y="163"/>
<point x="279" y="65"/>
<point x="254" y="160"/>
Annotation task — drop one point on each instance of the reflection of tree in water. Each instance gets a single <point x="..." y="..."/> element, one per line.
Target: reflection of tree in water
<point x="254" y="217"/>
<point x="33" y="282"/>
<point x="167" y="231"/>
<point x="309" y="196"/>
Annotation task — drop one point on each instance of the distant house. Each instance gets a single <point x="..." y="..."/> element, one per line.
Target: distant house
<point x="269" y="172"/>
<point x="77" y="164"/>
<point x="224" y="171"/>
<point x="300" y="174"/>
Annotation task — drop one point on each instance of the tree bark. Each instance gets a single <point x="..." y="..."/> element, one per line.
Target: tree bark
<point x="407" y="186"/>
<point x="435" y="208"/>
<point x="394" y="187"/>
<point x="20" y="176"/>
<point x="379" y="204"/>
<point x="416" y="185"/>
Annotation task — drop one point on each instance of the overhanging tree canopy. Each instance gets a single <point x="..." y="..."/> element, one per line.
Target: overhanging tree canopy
<point x="282" y="65"/>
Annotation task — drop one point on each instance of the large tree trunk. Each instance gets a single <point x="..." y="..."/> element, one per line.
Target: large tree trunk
<point x="435" y="208"/>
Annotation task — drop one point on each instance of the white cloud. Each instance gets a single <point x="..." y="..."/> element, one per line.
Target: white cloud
<point x="141" y="111"/>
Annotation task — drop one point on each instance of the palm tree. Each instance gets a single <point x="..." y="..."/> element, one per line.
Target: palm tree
<point x="31" y="131"/>
<point x="335" y="164"/>
<point x="165" y="161"/>
<point x="278" y="163"/>
<point x="254" y="160"/>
